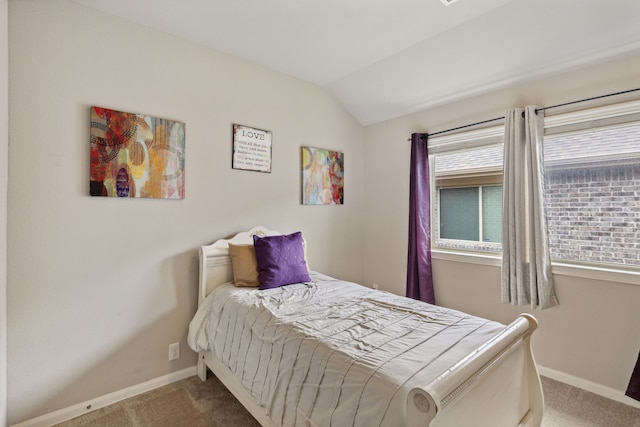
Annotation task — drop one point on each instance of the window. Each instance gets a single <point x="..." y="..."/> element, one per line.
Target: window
<point x="471" y="213"/>
<point x="592" y="178"/>
<point x="460" y="217"/>
<point x="593" y="195"/>
<point x="468" y="203"/>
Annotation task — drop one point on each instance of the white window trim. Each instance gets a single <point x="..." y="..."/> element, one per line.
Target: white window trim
<point x="466" y="140"/>
<point x="557" y="268"/>
<point x="593" y="117"/>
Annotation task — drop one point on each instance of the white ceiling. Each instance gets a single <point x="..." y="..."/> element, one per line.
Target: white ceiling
<point x="387" y="58"/>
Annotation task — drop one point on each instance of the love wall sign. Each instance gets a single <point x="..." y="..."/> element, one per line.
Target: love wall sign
<point x="251" y="149"/>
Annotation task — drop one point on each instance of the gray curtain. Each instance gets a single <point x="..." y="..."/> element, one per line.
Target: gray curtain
<point x="526" y="264"/>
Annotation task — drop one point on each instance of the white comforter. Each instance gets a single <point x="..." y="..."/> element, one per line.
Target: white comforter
<point x="333" y="353"/>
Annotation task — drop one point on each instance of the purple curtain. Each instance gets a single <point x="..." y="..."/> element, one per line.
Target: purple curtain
<point x="633" y="390"/>
<point x="419" y="275"/>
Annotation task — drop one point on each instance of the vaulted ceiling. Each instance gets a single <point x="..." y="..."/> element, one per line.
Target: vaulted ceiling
<point x="387" y="58"/>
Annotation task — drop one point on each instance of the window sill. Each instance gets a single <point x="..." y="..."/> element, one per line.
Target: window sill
<point x="629" y="277"/>
<point x="560" y="269"/>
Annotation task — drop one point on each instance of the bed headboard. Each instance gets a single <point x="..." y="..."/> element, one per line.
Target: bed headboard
<point x="215" y="263"/>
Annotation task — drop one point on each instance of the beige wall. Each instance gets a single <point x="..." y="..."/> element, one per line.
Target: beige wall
<point x="4" y="144"/>
<point x="98" y="288"/>
<point x="594" y="334"/>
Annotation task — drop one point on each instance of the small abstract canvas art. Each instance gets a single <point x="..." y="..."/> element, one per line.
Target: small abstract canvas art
<point x="134" y="155"/>
<point x="322" y="177"/>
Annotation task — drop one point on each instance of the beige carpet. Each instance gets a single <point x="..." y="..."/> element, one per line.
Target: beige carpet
<point x="193" y="403"/>
<point x="186" y="403"/>
<point x="567" y="406"/>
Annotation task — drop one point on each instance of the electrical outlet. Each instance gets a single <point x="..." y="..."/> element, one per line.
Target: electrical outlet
<point x="374" y="286"/>
<point x="174" y="351"/>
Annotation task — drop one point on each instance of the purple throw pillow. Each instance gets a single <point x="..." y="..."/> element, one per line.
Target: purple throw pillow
<point x="280" y="260"/>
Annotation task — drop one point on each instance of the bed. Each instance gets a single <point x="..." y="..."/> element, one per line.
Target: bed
<point x="325" y="352"/>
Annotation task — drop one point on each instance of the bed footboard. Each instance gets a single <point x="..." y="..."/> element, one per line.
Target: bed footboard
<point x="496" y="385"/>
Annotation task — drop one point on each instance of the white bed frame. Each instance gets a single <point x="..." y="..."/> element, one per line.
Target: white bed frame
<point x="496" y="385"/>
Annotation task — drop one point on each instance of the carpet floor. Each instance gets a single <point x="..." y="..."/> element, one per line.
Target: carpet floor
<point x="193" y="403"/>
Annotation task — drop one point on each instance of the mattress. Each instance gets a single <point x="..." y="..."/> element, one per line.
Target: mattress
<point x="331" y="352"/>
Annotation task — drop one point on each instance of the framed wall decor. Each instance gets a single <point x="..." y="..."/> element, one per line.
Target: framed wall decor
<point x="322" y="177"/>
<point x="251" y="149"/>
<point x="135" y="155"/>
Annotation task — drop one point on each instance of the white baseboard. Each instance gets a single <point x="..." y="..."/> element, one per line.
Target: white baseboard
<point x="599" y="389"/>
<point x="65" y="414"/>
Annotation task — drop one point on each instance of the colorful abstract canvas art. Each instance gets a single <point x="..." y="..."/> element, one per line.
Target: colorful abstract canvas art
<point x="322" y="177"/>
<point x="134" y="155"/>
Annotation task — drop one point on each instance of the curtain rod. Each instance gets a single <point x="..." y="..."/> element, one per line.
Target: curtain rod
<point x="537" y="109"/>
<point x="467" y="126"/>
<point x="589" y="99"/>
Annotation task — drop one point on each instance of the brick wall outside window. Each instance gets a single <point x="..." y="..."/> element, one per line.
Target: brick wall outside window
<point x="593" y="214"/>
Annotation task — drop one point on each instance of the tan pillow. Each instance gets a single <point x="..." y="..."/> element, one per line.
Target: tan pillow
<point x="244" y="264"/>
